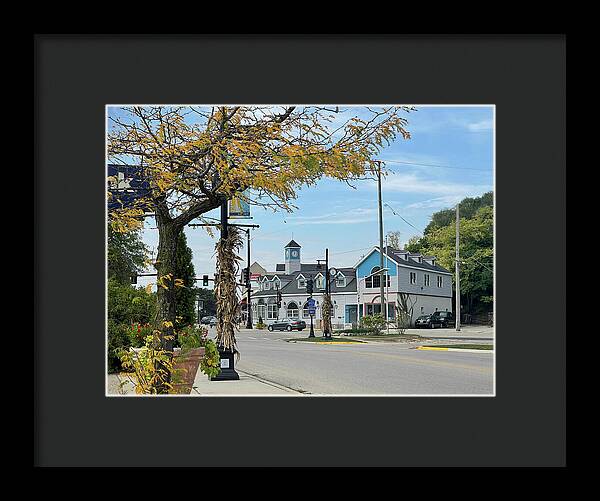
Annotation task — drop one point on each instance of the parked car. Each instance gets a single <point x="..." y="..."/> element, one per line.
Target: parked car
<point x="210" y="320"/>
<point x="287" y="324"/>
<point x="424" y="321"/>
<point x="442" y="318"/>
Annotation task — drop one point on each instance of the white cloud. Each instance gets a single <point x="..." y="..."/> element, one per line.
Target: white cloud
<point x="481" y="125"/>
<point x="356" y="215"/>
<point x="412" y="183"/>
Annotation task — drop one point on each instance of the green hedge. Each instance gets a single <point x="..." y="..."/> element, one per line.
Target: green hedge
<point x="357" y="331"/>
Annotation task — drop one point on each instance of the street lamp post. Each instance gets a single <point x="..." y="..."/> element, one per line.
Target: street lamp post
<point x="328" y="274"/>
<point x="249" y="288"/>
<point x="309" y="290"/>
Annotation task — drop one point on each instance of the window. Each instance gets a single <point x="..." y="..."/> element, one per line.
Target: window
<point x="305" y="313"/>
<point x="320" y="282"/>
<point x="272" y="310"/>
<point x="302" y="283"/>
<point x="440" y="281"/>
<point x="413" y="278"/>
<point x="340" y="281"/>
<point x="376" y="278"/>
<point x="426" y="280"/>
<point x="292" y="310"/>
<point x="267" y="286"/>
<point x="262" y="309"/>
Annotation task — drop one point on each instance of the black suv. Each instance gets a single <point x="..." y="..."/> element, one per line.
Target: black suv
<point x="442" y="318"/>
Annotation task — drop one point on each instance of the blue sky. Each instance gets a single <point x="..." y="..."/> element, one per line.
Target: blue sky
<point x="454" y="147"/>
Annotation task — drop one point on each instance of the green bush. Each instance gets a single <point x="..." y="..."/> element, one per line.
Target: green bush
<point x="357" y="331"/>
<point x="137" y="333"/>
<point x="374" y="323"/>
<point x="129" y="305"/>
<point x="118" y="341"/>
<point x="211" y="362"/>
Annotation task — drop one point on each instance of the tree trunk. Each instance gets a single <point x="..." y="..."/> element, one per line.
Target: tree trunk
<point x="168" y="236"/>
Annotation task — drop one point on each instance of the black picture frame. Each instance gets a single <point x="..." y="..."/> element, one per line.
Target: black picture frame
<point x="523" y="425"/>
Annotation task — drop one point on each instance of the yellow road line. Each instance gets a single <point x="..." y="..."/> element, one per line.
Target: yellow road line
<point x="431" y="348"/>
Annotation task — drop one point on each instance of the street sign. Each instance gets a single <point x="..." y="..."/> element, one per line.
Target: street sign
<point x="311" y="303"/>
<point x="312" y="311"/>
<point x="126" y="185"/>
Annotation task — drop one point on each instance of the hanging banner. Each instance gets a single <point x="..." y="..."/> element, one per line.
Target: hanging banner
<point x="239" y="209"/>
<point x="126" y="184"/>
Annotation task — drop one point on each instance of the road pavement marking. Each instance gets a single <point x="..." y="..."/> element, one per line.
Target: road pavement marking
<point x="420" y="361"/>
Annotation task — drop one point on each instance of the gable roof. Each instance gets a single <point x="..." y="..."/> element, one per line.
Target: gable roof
<point x="289" y="284"/>
<point x="394" y="255"/>
<point x="292" y="244"/>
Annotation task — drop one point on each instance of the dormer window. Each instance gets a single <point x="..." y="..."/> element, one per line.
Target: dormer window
<point x="302" y="283"/>
<point x="340" y="280"/>
<point x="267" y="286"/>
<point x="320" y="282"/>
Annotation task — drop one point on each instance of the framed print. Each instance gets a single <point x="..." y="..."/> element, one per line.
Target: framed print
<point x="300" y="238"/>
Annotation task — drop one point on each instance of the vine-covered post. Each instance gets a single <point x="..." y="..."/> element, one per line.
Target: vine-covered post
<point x="226" y="297"/>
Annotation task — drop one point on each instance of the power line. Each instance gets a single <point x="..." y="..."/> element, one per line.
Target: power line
<point x="433" y="165"/>
<point x="407" y="222"/>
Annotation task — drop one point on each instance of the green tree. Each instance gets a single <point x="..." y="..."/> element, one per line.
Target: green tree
<point x="476" y="252"/>
<point x="185" y="297"/>
<point x="209" y="305"/>
<point x="126" y="255"/>
<point x="468" y="208"/>
<point x="195" y="159"/>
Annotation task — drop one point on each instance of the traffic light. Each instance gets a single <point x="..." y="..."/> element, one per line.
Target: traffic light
<point x="246" y="276"/>
<point x="278" y="299"/>
<point x="309" y="286"/>
<point x="205" y="280"/>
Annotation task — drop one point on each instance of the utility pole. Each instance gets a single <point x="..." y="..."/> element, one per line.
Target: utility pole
<point x="386" y="287"/>
<point x="457" y="270"/>
<point x="249" y="290"/>
<point x="381" y="250"/>
<point x="326" y="332"/>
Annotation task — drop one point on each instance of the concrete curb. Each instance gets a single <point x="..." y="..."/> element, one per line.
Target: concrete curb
<point x="464" y="350"/>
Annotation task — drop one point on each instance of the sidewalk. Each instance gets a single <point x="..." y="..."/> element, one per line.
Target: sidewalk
<point x="247" y="385"/>
<point x="467" y="332"/>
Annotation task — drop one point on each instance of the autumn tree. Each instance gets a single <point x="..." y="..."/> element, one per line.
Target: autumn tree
<point x="393" y="239"/>
<point x="194" y="159"/>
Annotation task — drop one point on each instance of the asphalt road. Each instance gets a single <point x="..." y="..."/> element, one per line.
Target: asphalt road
<point x="375" y="368"/>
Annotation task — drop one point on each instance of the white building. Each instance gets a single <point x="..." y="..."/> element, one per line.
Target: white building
<point x="290" y="279"/>
<point x="428" y="286"/>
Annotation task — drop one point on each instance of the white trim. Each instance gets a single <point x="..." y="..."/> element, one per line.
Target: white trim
<point x="375" y="248"/>
<point x="425" y="270"/>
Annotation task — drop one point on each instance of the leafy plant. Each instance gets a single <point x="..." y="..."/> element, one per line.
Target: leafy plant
<point x="356" y="331"/>
<point x="118" y="340"/>
<point x="151" y="366"/>
<point x="375" y="323"/>
<point x="137" y="334"/>
<point x="196" y="337"/>
<point x="210" y="362"/>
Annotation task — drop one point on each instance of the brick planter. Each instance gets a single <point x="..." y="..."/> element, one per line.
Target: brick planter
<point x="185" y="368"/>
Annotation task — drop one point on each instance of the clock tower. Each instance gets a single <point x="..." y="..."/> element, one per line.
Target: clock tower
<point x="292" y="258"/>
